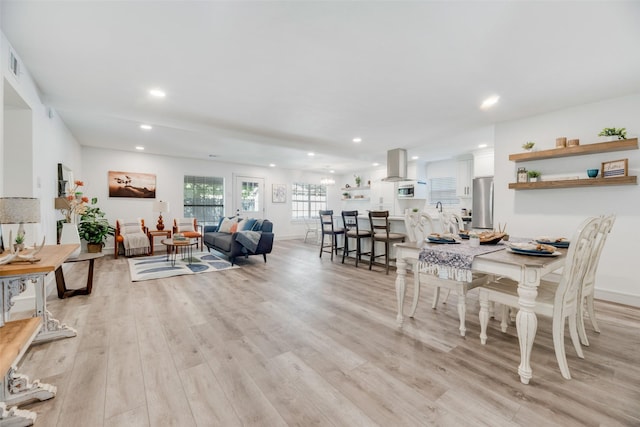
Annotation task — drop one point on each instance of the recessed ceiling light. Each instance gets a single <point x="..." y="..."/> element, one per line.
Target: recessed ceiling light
<point x="158" y="93"/>
<point x="146" y="127"/>
<point x="311" y="154"/>
<point x="489" y="102"/>
<point x="272" y="165"/>
<point x="332" y="171"/>
<point x="140" y="148"/>
<point x="376" y="164"/>
<point x="357" y="139"/>
<point x="482" y="146"/>
<point x="414" y="157"/>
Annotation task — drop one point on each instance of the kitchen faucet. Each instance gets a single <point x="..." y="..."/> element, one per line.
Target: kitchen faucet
<point x="439" y="204"/>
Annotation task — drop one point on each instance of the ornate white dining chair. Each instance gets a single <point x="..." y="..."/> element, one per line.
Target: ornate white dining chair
<point x="588" y="285"/>
<point x="451" y="222"/>
<point x="556" y="300"/>
<point x="419" y="226"/>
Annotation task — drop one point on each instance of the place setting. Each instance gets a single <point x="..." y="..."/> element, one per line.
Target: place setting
<point x="533" y="248"/>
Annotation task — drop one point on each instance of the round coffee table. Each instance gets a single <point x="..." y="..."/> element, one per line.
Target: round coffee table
<point x="185" y="247"/>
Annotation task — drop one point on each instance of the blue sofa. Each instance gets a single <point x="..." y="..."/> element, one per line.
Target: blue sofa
<point x="230" y="244"/>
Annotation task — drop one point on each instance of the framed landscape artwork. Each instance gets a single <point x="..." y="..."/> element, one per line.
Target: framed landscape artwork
<point x="132" y="184"/>
<point x="279" y="193"/>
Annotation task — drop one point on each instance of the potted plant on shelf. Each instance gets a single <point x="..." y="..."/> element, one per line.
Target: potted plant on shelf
<point x="528" y="145"/>
<point x="358" y="180"/>
<point x="614" y="134"/>
<point x="345" y="195"/>
<point x="533" y="175"/>
<point x="94" y="228"/>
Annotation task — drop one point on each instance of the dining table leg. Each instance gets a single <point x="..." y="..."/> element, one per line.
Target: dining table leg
<point x="526" y="320"/>
<point x="401" y="273"/>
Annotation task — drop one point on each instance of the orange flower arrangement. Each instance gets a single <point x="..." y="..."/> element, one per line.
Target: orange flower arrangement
<point x="76" y="203"/>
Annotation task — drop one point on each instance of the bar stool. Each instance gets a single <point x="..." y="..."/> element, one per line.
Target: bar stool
<point x="380" y="230"/>
<point x="350" y="221"/>
<point x="327" y="228"/>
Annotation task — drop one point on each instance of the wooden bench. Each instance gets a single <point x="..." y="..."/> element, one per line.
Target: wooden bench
<point x="15" y="338"/>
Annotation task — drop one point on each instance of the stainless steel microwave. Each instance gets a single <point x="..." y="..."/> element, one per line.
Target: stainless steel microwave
<point x="406" y="191"/>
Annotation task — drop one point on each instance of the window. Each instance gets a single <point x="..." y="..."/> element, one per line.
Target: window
<point x="443" y="190"/>
<point x="204" y="198"/>
<point x="307" y="200"/>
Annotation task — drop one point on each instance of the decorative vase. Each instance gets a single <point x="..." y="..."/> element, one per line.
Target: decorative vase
<point x="70" y="235"/>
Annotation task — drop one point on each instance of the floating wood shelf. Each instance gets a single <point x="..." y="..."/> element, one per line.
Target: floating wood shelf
<point x="579" y="150"/>
<point x="356" y="188"/>
<point x="571" y="183"/>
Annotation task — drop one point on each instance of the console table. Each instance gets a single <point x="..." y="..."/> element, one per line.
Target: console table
<point x="17" y="335"/>
<point x="14" y="279"/>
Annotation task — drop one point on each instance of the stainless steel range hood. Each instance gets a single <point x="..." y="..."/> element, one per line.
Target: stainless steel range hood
<point x="396" y="165"/>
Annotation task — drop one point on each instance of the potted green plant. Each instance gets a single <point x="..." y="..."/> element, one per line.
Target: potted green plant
<point x="358" y="180"/>
<point x="345" y="195"/>
<point x="613" y="133"/>
<point x="528" y="145"/>
<point x="94" y="228"/>
<point x="533" y="175"/>
<point x="19" y="245"/>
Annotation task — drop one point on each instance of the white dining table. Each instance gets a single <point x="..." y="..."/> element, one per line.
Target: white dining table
<point x="526" y="270"/>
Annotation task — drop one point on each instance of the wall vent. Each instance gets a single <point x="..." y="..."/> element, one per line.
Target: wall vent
<point x="14" y="64"/>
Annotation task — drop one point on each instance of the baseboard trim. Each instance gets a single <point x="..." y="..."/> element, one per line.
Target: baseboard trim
<point x="617" y="297"/>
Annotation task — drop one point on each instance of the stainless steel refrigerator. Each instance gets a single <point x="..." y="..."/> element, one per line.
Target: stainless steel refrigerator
<point x="482" y="214"/>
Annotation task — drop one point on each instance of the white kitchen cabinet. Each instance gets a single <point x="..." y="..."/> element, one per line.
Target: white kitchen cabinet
<point x="483" y="163"/>
<point x="464" y="178"/>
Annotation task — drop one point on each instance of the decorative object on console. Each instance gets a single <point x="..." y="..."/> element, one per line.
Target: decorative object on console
<point x="132" y="184"/>
<point x="73" y="204"/>
<point x="19" y="210"/>
<point x="160" y="207"/>
<point x="614" y="134"/>
<point x="615" y="168"/>
<point x="561" y="142"/>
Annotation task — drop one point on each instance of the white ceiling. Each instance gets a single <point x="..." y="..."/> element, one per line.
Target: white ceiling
<point x="267" y="82"/>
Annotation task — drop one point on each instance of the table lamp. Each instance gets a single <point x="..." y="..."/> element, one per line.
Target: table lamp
<point x="160" y="207"/>
<point x="19" y="210"/>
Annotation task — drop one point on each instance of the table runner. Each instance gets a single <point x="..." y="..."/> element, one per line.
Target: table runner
<point x="452" y="261"/>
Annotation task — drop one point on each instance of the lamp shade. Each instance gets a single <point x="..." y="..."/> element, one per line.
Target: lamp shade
<point x="19" y="210"/>
<point x="160" y="206"/>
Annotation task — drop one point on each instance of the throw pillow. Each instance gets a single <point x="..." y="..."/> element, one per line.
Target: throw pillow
<point x="250" y="222"/>
<point x="241" y="224"/>
<point x="225" y="226"/>
<point x="129" y="227"/>
<point x="184" y="224"/>
<point x="234" y="227"/>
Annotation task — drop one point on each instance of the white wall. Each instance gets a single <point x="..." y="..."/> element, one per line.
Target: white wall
<point x="50" y="143"/>
<point x="170" y="174"/>
<point x="558" y="212"/>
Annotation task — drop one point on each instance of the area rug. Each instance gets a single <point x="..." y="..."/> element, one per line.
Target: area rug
<point x="157" y="266"/>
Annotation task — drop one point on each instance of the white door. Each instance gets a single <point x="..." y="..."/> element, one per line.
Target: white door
<point x="249" y="196"/>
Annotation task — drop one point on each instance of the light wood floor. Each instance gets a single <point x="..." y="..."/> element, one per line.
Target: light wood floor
<point x="305" y="341"/>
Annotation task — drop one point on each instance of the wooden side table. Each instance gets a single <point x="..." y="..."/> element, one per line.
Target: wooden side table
<point x="63" y="292"/>
<point x="157" y="233"/>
